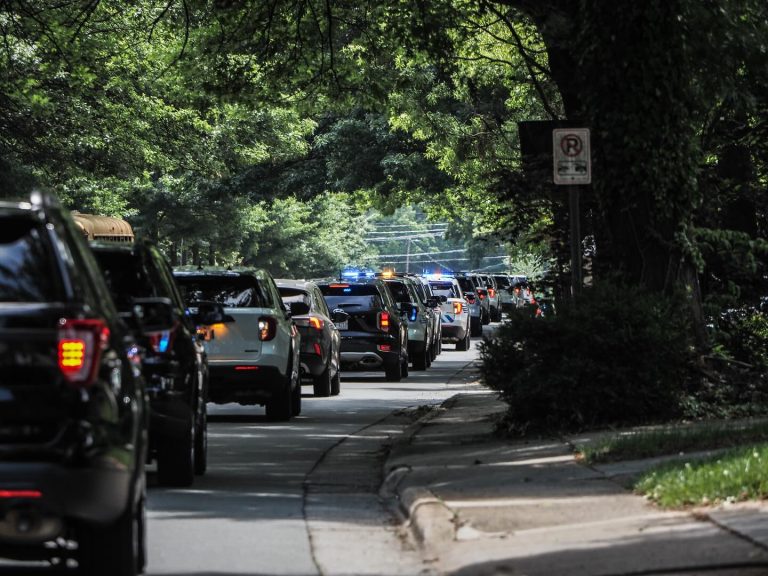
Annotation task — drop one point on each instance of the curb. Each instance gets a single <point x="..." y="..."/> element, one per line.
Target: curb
<point x="431" y="521"/>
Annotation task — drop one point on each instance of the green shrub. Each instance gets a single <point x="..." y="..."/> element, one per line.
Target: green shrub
<point x="619" y="356"/>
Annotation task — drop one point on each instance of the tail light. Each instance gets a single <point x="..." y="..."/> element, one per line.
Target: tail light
<point x="481" y="293"/>
<point x="470" y="298"/>
<point x="383" y="321"/>
<point x="267" y="328"/>
<point x="312" y="322"/>
<point x="162" y="342"/>
<point x="21" y="494"/>
<point x="457" y="307"/>
<point x="491" y="293"/>
<point x="81" y="342"/>
<point x="384" y="347"/>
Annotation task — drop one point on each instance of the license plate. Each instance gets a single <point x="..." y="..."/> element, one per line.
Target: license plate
<point x="343" y="325"/>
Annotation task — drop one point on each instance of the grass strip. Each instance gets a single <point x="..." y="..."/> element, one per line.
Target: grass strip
<point x="666" y="440"/>
<point x="734" y="476"/>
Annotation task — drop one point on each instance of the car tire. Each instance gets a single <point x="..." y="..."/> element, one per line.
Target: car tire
<point x="420" y="361"/>
<point x="393" y="371"/>
<point x="201" y="440"/>
<point x="176" y="457"/>
<point x="475" y="327"/>
<point x="336" y="384"/>
<point x="485" y="317"/>
<point x="280" y="407"/>
<point x="296" y="400"/>
<point x="463" y="344"/>
<point x="114" y="549"/>
<point x="322" y="385"/>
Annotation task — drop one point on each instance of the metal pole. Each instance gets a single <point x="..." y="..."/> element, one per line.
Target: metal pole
<point x="408" y="257"/>
<point x="575" y="216"/>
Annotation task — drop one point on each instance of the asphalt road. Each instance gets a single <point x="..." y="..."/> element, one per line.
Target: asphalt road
<point x="298" y="498"/>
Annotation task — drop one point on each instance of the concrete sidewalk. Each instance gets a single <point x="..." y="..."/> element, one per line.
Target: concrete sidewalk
<point x="481" y="505"/>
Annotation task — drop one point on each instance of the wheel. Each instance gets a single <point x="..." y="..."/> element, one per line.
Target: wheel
<point x="201" y="440"/>
<point x="420" y="361"/>
<point x="336" y="384"/>
<point x="116" y="549"/>
<point x="475" y="327"/>
<point x="322" y="384"/>
<point x="463" y="344"/>
<point x="176" y="457"/>
<point x="280" y="407"/>
<point x="296" y="399"/>
<point x="393" y="372"/>
<point x="485" y="317"/>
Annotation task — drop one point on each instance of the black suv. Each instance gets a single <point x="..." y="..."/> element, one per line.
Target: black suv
<point x="175" y="365"/>
<point x="375" y="336"/>
<point x="73" y="415"/>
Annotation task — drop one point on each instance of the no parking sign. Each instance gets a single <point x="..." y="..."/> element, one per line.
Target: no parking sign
<point x="571" y="155"/>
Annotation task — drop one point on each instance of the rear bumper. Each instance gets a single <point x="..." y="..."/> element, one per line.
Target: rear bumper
<point x="245" y="384"/>
<point x="89" y="494"/>
<point x="454" y="333"/>
<point x="363" y="352"/>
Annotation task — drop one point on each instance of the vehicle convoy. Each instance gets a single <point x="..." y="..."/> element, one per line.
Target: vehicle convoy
<point x="175" y="364"/>
<point x="253" y="349"/>
<point x="320" y="339"/>
<point x="494" y="298"/>
<point x="375" y="337"/>
<point x="455" y="311"/>
<point x="504" y="285"/>
<point x="432" y="305"/>
<point x="420" y="336"/>
<point x="73" y="411"/>
<point x="474" y="296"/>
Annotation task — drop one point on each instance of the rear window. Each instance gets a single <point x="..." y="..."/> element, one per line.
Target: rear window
<point x="27" y="270"/>
<point x="126" y="278"/>
<point x="466" y="284"/>
<point x="502" y="281"/>
<point x="351" y="297"/>
<point x="290" y="295"/>
<point x="447" y="289"/>
<point x="230" y="291"/>
<point x="399" y="291"/>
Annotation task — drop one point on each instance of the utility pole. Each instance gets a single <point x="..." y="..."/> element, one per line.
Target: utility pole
<point x="408" y="256"/>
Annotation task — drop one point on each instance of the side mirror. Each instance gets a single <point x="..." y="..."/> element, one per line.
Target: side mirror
<point x="205" y="313"/>
<point x="339" y="315"/>
<point x="299" y="308"/>
<point x="153" y="315"/>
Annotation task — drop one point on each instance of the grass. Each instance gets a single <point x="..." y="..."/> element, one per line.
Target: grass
<point x="678" y="439"/>
<point x="736" y="475"/>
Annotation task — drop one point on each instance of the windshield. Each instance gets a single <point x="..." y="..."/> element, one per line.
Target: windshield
<point x="447" y="289"/>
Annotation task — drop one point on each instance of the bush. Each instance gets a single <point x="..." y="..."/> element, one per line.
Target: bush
<point x="619" y="356"/>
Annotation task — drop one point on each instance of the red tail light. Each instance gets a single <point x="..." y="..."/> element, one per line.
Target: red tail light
<point x="267" y="328"/>
<point x="81" y="342"/>
<point x="21" y="494"/>
<point x="470" y="298"/>
<point x="318" y="350"/>
<point x="384" y="321"/>
<point x="384" y="347"/>
<point x="162" y="342"/>
<point x="481" y="294"/>
<point x="491" y="293"/>
<point x="457" y="307"/>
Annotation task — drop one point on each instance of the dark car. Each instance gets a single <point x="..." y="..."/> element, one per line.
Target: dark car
<point x="375" y="337"/>
<point x="320" y="340"/>
<point x="72" y="399"/>
<point x="420" y="336"/>
<point x="253" y="352"/>
<point x="175" y="365"/>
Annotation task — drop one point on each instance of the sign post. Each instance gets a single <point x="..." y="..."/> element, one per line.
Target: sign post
<point x="573" y="167"/>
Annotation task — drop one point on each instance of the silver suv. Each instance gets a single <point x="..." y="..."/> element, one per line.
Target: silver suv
<point x="253" y="356"/>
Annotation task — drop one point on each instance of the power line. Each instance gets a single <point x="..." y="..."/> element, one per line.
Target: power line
<point x="407" y="232"/>
<point x="434" y="253"/>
